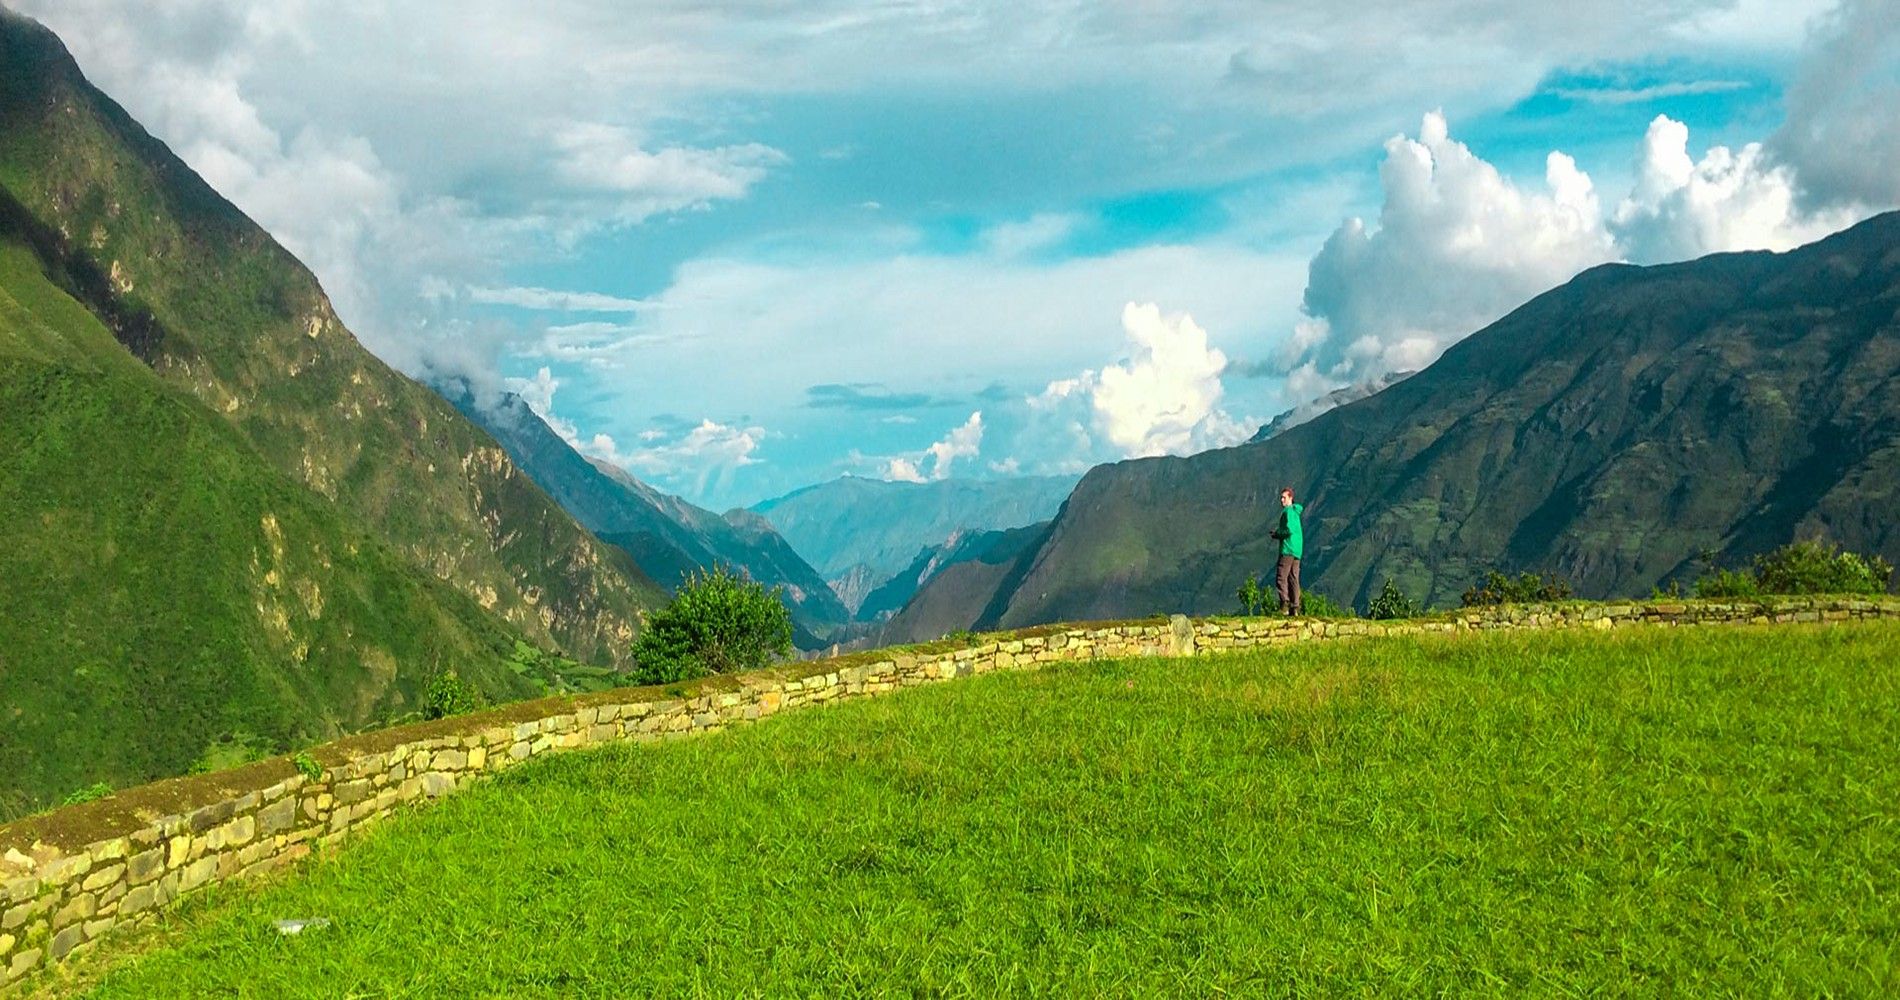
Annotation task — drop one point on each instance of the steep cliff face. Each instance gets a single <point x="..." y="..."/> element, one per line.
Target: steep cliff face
<point x="1610" y="430"/>
<point x="213" y="305"/>
<point x="222" y="521"/>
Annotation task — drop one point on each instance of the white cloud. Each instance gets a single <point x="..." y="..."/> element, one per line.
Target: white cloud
<point x="1458" y="244"/>
<point x="1729" y="200"/>
<point x="963" y="441"/>
<point x="700" y="459"/>
<point x="1036" y="233"/>
<point x="610" y="159"/>
<point x="1165" y="399"/>
<point x="553" y="300"/>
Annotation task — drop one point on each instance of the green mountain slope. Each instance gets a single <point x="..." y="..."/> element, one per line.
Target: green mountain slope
<point x="217" y="308"/>
<point x="667" y="537"/>
<point x="165" y="587"/>
<point x="950" y="586"/>
<point x="1609" y="430"/>
<point x="851" y="522"/>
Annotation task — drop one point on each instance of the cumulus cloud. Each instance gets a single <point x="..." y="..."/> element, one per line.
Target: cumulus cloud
<point x="1458" y="244"/>
<point x="964" y="441"/>
<point x="1729" y="200"/>
<point x="1165" y="399"/>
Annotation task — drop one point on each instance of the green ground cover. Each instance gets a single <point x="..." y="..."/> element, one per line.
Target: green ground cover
<point x="1683" y="812"/>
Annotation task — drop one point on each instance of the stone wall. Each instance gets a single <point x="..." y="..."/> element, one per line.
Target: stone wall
<point x="71" y="876"/>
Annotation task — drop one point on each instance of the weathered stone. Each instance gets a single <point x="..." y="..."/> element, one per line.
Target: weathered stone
<point x="436" y="784"/>
<point x="197" y="873"/>
<point x="64" y="942"/>
<point x="76" y="909"/>
<point x="477" y="758"/>
<point x="24" y="912"/>
<point x="351" y="792"/>
<point x="23" y="962"/>
<point x="277" y="816"/>
<point x="448" y="760"/>
<point x="520" y="751"/>
<point x="102" y="877"/>
<point x="140" y="898"/>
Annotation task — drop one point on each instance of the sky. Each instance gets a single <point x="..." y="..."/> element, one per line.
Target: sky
<point x="741" y="246"/>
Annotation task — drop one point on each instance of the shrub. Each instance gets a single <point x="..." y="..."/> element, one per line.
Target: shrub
<point x="448" y="694"/>
<point x="1321" y="606"/>
<point x="306" y="765"/>
<point x="1391" y="603"/>
<point x="1252" y="598"/>
<point x="1820" y="567"/>
<point x="1808" y="567"/>
<point x="1525" y="588"/>
<point x="717" y="623"/>
<point x="96" y="790"/>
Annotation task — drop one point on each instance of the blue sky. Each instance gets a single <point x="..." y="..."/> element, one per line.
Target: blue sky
<point x="740" y="247"/>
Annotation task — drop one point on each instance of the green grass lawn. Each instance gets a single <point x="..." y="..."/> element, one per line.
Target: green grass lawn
<point x="1677" y="812"/>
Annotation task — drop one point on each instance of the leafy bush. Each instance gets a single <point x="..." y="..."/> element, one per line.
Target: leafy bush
<point x="96" y="790"/>
<point x="1253" y="600"/>
<point x="1321" y="606"/>
<point x="1391" y="603"/>
<point x="448" y="694"/>
<point x="1820" y="567"/>
<point x="717" y="623"/>
<point x="1808" y="567"/>
<point x="1525" y="588"/>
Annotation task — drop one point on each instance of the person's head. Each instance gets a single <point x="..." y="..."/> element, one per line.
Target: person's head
<point x="1286" y="496"/>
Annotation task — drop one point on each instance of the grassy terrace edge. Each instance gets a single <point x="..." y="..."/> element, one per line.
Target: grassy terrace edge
<point x="69" y="877"/>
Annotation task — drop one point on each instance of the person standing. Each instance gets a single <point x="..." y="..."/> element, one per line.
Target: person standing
<point x="1286" y="575"/>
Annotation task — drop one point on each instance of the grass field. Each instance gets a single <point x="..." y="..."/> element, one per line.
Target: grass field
<point x="1680" y="812"/>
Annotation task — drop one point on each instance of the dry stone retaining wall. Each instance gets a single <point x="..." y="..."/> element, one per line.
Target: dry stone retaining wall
<point x="70" y="876"/>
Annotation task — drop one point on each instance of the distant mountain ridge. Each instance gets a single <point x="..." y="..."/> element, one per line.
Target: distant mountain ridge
<point x="1610" y="430"/>
<point x="667" y="537"/>
<point x="853" y="529"/>
<point x="221" y="518"/>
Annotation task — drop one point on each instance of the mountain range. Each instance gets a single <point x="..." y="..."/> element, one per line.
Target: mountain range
<point x="1618" y="431"/>
<point x="221" y="518"/>
<point x="860" y="533"/>
<point x="666" y="536"/>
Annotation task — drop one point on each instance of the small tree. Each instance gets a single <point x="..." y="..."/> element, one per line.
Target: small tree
<point x="1251" y="596"/>
<point x="448" y="694"/>
<point x="718" y="622"/>
<point x="1391" y="603"/>
<point x="1809" y="567"/>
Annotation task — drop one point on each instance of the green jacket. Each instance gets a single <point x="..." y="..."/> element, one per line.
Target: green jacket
<point x="1292" y="539"/>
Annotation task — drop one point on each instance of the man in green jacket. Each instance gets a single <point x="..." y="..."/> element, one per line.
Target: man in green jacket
<point x="1292" y="543"/>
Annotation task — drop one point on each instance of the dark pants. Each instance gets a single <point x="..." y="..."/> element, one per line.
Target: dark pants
<point x="1286" y="577"/>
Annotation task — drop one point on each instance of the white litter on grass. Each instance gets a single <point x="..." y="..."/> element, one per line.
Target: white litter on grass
<point x="298" y="926"/>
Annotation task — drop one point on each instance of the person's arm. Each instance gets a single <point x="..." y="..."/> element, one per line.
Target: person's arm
<point x="1280" y="531"/>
